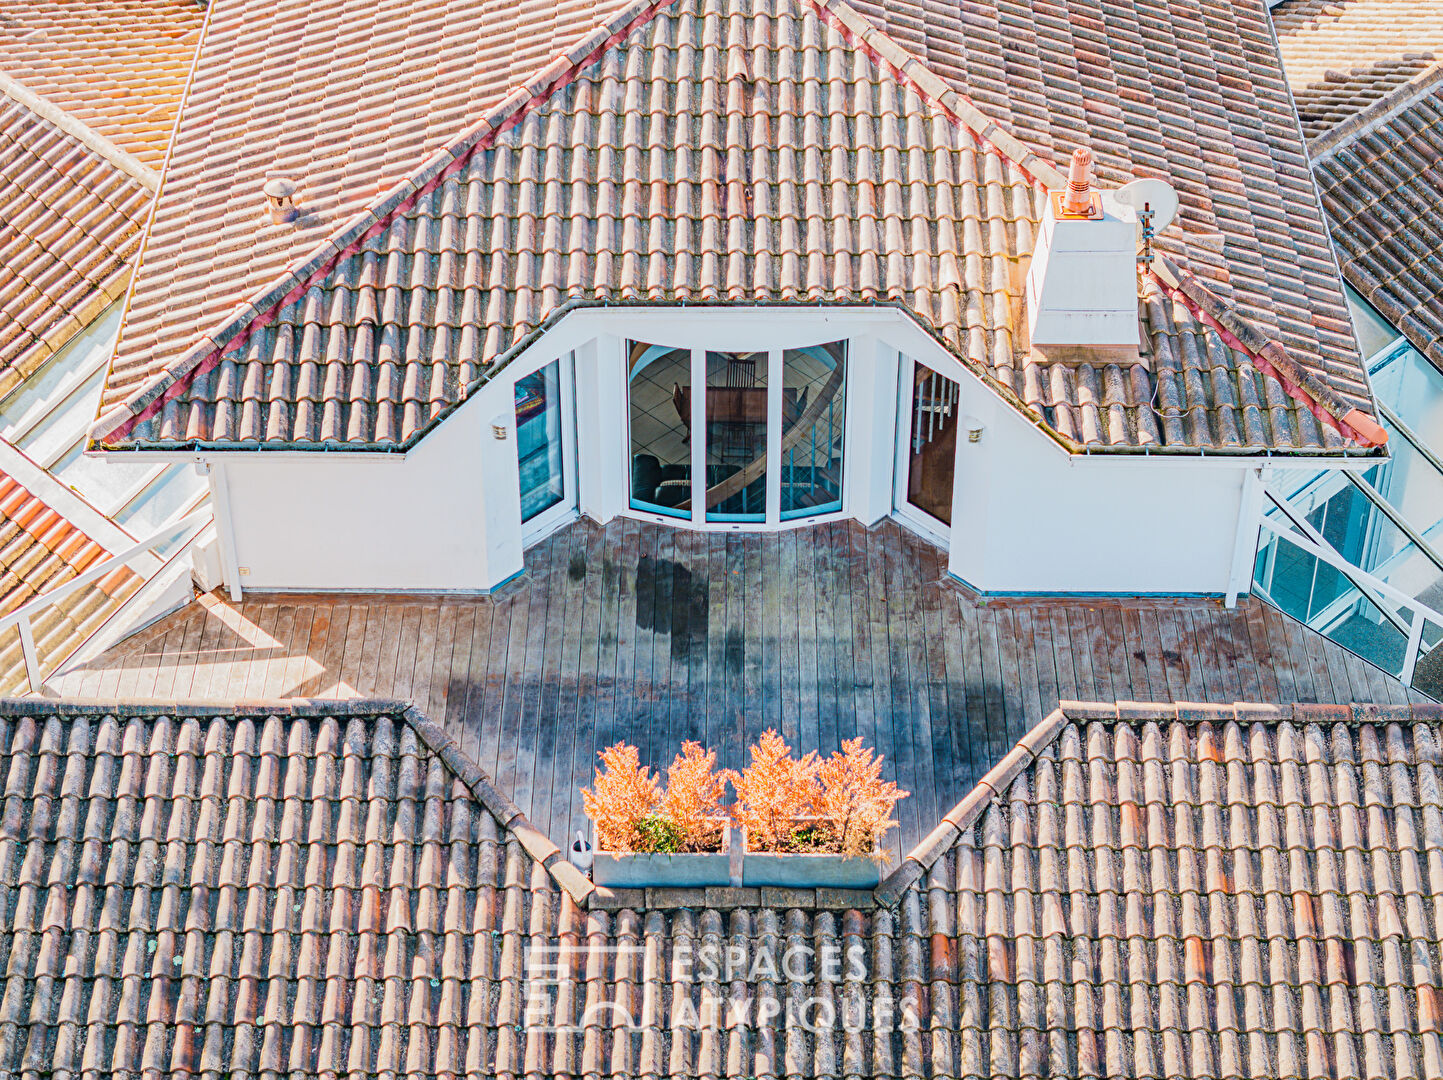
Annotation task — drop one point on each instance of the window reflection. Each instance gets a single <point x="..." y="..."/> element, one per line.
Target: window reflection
<point x="932" y="442"/>
<point x="538" y="439"/>
<point x="660" y="392"/>
<point x="736" y="436"/>
<point x="813" y="398"/>
<point x="770" y="423"/>
<point x="1386" y="527"/>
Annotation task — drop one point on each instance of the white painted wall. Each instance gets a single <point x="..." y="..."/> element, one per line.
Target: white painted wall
<point x="445" y="518"/>
<point x="871" y="428"/>
<point x="1027" y="516"/>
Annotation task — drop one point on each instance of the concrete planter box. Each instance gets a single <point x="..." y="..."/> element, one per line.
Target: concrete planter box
<point x="808" y="871"/>
<point x="626" y="870"/>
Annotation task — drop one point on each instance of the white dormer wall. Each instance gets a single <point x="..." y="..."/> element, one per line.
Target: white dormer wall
<point x="445" y="517"/>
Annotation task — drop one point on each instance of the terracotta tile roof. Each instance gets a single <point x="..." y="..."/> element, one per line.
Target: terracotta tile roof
<point x="1341" y="56"/>
<point x="323" y="889"/>
<point x="362" y="340"/>
<point x="1380" y="177"/>
<point x="88" y="97"/>
<point x="251" y="894"/>
<point x="70" y="222"/>
<point x="41" y="548"/>
<point x="117" y="66"/>
<point x="1162" y="891"/>
<point x="322" y="94"/>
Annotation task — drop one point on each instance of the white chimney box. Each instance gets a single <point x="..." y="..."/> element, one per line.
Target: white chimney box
<point x="1082" y="284"/>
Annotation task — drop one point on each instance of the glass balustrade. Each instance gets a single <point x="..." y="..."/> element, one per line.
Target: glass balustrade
<point x="1358" y="558"/>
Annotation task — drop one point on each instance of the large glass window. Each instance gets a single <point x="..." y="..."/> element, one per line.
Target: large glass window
<point x="814" y="388"/>
<point x="736" y="436"/>
<point x="660" y="388"/>
<point x="763" y="428"/>
<point x="538" y="440"/>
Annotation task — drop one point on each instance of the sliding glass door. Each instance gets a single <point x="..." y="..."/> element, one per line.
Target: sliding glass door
<point x="761" y="430"/>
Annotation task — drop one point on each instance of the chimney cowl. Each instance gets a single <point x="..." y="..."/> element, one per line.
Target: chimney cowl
<point x="1080" y="199"/>
<point x="281" y="199"/>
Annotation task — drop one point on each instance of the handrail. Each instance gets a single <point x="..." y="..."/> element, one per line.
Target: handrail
<point x="81" y="647"/>
<point x="20" y="617"/>
<point x="1366" y="586"/>
<point x="1411" y="437"/>
<point x="1393" y="604"/>
<point x="1421" y="612"/>
<point x="102" y="569"/>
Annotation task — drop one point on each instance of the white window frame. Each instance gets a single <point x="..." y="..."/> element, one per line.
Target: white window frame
<point x="914" y="517"/>
<point x="565" y="511"/>
<point x="775" y="360"/>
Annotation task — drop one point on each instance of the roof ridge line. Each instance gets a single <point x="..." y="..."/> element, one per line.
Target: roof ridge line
<point x="1366" y="120"/>
<point x="48" y="111"/>
<point x="450" y="158"/>
<point x="279" y="707"/>
<point x="965" y="814"/>
<point x="500" y="806"/>
<point x="1269" y="355"/>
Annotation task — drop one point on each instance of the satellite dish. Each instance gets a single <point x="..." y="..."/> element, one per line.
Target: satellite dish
<point x="1150" y="194"/>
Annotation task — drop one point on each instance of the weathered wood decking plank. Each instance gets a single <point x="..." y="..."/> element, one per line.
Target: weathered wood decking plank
<point x="641" y="633"/>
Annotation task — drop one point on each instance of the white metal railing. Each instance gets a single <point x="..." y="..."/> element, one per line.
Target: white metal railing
<point x="21" y="618"/>
<point x="1374" y="589"/>
<point x="1403" y="382"/>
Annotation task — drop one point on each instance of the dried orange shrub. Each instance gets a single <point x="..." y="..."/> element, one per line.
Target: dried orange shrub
<point x="633" y="814"/>
<point x="855" y="799"/>
<point x="692" y="803"/>
<point x="621" y="799"/>
<point x="773" y="792"/>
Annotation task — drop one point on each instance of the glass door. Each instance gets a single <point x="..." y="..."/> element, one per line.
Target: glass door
<point x="545" y="448"/>
<point x="814" y="397"/>
<point x="736" y="435"/>
<point x="927" y="447"/>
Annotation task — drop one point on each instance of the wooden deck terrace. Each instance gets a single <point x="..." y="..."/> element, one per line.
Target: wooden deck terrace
<point x="638" y="632"/>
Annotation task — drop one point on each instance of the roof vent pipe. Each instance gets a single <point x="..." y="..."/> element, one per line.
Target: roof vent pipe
<point x="1078" y="200"/>
<point x="281" y="198"/>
